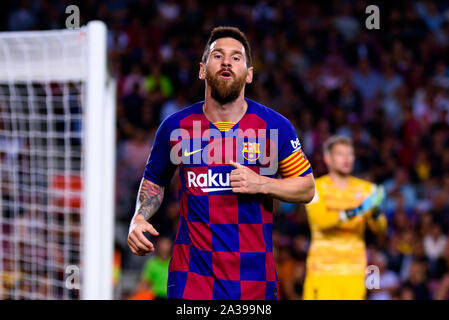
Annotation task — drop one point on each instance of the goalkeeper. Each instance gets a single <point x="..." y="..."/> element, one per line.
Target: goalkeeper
<point x="343" y="205"/>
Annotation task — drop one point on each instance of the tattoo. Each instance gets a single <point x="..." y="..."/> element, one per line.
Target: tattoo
<point x="149" y="199"/>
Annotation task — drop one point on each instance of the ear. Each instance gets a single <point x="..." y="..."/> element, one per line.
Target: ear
<point x="202" y="72"/>
<point x="249" y="76"/>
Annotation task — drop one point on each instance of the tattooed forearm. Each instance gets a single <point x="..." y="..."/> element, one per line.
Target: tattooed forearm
<point x="149" y="199"/>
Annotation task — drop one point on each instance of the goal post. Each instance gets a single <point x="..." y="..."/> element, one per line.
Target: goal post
<point x="107" y="255"/>
<point x="96" y="187"/>
<point x="98" y="244"/>
<point x="57" y="164"/>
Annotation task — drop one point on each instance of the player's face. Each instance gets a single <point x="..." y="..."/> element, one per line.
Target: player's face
<point x="340" y="159"/>
<point x="225" y="70"/>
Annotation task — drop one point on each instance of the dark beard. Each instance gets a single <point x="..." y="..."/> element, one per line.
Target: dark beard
<point x="222" y="91"/>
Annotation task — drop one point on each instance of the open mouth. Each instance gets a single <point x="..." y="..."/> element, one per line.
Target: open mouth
<point x="226" y="74"/>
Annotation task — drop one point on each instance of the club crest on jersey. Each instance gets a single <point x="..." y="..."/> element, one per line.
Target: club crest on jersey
<point x="251" y="150"/>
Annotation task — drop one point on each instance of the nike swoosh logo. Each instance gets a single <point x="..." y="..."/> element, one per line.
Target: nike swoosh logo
<point x="186" y="153"/>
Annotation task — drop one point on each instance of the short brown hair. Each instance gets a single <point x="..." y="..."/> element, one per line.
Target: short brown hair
<point x="336" y="139"/>
<point x="228" y="32"/>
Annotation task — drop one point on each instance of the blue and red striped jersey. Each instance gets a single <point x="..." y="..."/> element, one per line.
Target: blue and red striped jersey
<point x="223" y="247"/>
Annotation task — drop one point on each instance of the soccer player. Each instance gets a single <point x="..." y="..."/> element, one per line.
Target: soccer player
<point x="230" y="151"/>
<point x="342" y="206"/>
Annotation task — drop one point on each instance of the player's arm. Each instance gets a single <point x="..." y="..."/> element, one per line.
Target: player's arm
<point x="158" y="173"/>
<point x="378" y="225"/>
<point x="324" y="218"/>
<point x="292" y="189"/>
<point x="377" y="222"/>
<point x="149" y="200"/>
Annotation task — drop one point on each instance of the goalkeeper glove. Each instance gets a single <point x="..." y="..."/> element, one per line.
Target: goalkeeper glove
<point x="378" y="210"/>
<point x="373" y="201"/>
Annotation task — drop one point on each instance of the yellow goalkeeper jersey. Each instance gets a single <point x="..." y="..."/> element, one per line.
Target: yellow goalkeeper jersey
<point x="338" y="248"/>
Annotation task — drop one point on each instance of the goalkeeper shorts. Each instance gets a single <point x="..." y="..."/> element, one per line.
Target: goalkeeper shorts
<point x="344" y="287"/>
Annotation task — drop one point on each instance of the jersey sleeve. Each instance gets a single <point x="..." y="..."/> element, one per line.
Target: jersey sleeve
<point x="292" y="160"/>
<point x="159" y="168"/>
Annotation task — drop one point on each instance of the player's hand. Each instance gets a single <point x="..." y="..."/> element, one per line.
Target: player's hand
<point x="245" y="180"/>
<point x="137" y="241"/>
<point x="372" y="202"/>
<point x="378" y="202"/>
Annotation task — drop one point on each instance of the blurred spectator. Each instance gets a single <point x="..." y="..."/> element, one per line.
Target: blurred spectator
<point x="441" y="76"/>
<point x="367" y="80"/>
<point x="388" y="282"/>
<point x="117" y="39"/>
<point x="428" y="11"/>
<point x="417" y="280"/>
<point x="141" y="292"/>
<point x="155" y="271"/>
<point x="424" y="107"/>
<point x="443" y="290"/>
<point x="134" y="80"/>
<point x="441" y="266"/>
<point x="391" y="82"/>
<point x="346" y="23"/>
<point x="135" y="154"/>
<point x="293" y="289"/>
<point x="157" y="84"/>
<point x="348" y="98"/>
<point x="23" y="18"/>
<point x="406" y="293"/>
<point x="131" y="160"/>
<point x="132" y="104"/>
<point x="434" y="242"/>
<point x="169" y="10"/>
<point x="173" y="105"/>
<point x="400" y="192"/>
<point x="285" y="265"/>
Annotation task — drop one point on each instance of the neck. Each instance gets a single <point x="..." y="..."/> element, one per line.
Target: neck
<point x="229" y="112"/>
<point x="339" y="179"/>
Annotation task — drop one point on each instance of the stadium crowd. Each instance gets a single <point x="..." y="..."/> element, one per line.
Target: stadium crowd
<point x="318" y="65"/>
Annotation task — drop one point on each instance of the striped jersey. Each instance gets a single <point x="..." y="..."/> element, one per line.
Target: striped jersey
<point x="223" y="246"/>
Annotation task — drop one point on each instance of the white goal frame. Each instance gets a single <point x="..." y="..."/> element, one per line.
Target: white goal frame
<point x="98" y="149"/>
<point x="99" y="170"/>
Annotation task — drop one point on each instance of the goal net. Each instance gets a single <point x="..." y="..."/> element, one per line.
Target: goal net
<point x="56" y="165"/>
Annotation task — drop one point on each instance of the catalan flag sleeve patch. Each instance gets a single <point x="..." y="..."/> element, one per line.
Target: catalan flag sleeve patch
<point x="295" y="165"/>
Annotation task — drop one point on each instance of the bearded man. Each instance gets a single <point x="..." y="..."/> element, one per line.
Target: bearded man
<point x="234" y="157"/>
